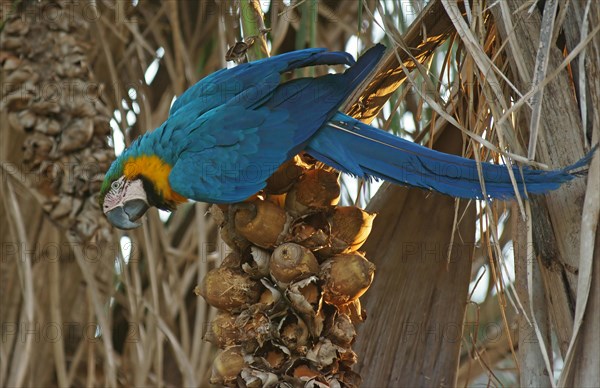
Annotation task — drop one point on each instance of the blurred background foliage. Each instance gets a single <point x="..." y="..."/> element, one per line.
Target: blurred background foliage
<point x="84" y="304"/>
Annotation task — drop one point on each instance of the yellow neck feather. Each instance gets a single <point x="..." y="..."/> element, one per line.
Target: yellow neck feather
<point x="155" y="170"/>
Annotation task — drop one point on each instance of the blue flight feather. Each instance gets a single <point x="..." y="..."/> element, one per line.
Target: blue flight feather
<point x="361" y="150"/>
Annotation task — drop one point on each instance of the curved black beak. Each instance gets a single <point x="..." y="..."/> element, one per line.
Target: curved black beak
<point x="120" y="219"/>
<point x="126" y="203"/>
<point x="135" y="209"/>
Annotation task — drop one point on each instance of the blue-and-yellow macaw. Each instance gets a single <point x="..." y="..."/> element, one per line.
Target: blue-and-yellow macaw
<point x="229" y="132"/>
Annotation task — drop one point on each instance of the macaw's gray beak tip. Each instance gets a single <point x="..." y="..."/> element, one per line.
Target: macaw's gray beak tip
<point x="120" y="219"/>
<point x="126" y="203"/>
<point x="135" y="208"/>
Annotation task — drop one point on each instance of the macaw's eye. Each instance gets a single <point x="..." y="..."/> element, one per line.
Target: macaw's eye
<point x="115" y="185"/>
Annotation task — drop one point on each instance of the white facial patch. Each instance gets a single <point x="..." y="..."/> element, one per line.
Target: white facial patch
<point x="123" y="190"/>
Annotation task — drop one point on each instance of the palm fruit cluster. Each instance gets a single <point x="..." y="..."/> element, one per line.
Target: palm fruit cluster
<point x="288" y="293"/>
<point x="54" y="113"/>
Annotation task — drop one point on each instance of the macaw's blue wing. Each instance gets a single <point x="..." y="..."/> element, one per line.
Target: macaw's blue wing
<point x="219" y="87"/>
<point x="239" y="150"/>
<point x="227" y="153"/>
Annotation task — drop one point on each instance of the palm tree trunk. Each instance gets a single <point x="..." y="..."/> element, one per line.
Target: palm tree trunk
<point x="54" y="153"/>
<point x="418" y="299"/>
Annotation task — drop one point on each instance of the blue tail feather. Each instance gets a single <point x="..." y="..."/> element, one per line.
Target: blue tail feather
<point x="362" y="150"/>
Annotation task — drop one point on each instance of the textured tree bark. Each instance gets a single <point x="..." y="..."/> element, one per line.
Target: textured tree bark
<point x="560" y="220"/>
<point x="557" y="217"/>
<point x="533" y="371"/>
<point x="585" y="372"/>
<point x="417" y="302"/>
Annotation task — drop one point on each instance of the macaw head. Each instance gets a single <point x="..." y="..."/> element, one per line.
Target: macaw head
<point x="132" y="185"/>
